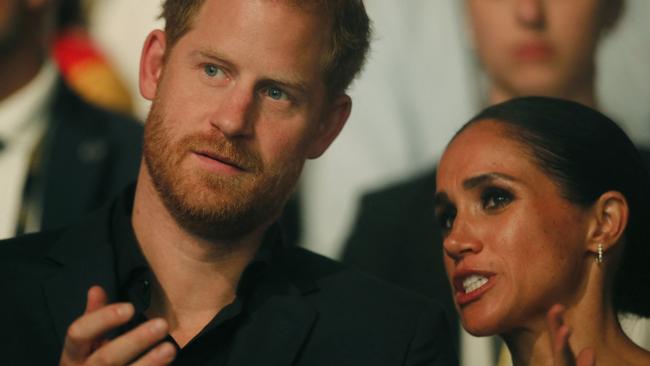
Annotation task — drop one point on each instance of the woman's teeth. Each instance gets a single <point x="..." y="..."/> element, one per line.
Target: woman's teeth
<point x="473" y="283"/>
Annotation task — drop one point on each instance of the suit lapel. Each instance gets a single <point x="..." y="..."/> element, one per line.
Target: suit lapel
<point x="75" y="161"/>
<point x="86" y="259"/>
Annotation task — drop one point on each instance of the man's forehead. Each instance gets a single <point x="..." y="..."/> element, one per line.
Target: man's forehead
<point x="251" y="36"/>
<point x="258" y="25"/>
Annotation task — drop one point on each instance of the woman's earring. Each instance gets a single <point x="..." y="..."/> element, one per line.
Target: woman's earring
<point x="599" y="259"/>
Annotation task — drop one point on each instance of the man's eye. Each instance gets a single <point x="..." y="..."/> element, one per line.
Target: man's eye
<point x="275" y="93"/>
<point x="495" y="198"/>
<point x="212" y="70"/>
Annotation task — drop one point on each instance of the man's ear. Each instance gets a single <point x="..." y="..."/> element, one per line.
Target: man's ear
<point x="151" y="63"/>
<point x="610" y="216"/>
<point x="330" y="125"/>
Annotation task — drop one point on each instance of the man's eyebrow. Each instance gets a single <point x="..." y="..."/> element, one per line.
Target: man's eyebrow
<point x="211" y="54"/>
<point x="473" y="182"/>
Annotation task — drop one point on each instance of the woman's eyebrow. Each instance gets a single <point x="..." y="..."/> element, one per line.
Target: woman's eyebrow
<point x="440" y="199"/>
<point x="478" y="180"/>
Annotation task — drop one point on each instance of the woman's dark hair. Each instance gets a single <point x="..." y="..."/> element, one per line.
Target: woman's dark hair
<point x="587" y="154"/>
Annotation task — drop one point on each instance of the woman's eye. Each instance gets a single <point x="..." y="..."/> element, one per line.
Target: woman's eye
<point x="495" y="198"/>
<point x="212" y="70"/>
<point x="446" y="220"/>
<point x="275" y="93"/>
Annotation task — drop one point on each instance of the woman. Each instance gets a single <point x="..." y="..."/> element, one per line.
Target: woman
<point x="542" y="202"/>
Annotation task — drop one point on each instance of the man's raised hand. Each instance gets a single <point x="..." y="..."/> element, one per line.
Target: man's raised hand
<point x="85" y="342"/>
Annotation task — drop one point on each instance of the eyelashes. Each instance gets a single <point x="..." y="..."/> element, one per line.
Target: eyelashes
<point x="212" y="70"/>
<point x="492" y="201"/>
<point x="216" y="75"/>
<point x="494" y="198"/>
<point x="445" y="218"/>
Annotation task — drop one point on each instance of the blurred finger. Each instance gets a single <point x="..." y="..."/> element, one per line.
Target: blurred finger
<point x="587" y="357"/>
<point x="128" y="346"/>
<point x="163" y="354"/>
<point x="96" y="299"/>
<point x="563" y="353"/>
<point x="559" y="334"/>
<point x="554" y="321"/>
<point x="87" y="330"/>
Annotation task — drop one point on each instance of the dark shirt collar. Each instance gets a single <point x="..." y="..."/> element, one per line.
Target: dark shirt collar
<point x="212" y="345"/>
<point x="131" y="265"/>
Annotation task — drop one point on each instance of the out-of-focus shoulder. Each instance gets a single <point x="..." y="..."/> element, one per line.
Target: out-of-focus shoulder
<point x="334" y="277"/>
<point x="15" y="251"/>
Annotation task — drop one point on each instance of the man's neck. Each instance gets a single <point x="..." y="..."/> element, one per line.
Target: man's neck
<point x="195" y="278"/>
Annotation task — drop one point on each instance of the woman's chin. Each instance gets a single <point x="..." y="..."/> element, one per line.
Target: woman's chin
<point x="481" y="326"/>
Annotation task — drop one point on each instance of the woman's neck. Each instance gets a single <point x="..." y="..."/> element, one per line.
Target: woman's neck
<point x="593" y="324"/>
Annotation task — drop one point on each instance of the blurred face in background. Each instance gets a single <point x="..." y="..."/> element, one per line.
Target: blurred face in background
<point x="9" y="19"/>
<point x="539" y="47"/>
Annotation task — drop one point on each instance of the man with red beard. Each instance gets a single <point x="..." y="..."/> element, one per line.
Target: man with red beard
<point x="188" y="267"/>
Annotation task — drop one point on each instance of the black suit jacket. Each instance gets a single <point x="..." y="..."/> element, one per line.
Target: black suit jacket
<point x="397" y="239"/>
<point x="89" y="155"/>
<point x="316" y="312"/>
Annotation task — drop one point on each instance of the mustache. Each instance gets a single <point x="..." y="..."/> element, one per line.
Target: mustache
<point x="219" y="148"/>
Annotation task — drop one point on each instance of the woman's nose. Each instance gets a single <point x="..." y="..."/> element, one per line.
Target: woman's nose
<point x="461" y="240"/>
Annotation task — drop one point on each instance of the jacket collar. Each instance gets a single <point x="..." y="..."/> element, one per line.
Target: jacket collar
<point x="280" y="323"/>
<point x="86" y="259"/>
<point x="76" y="149"/>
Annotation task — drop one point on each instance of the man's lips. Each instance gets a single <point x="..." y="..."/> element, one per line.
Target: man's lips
<point x="216" y="158"/>
<point x="470" y="285"/>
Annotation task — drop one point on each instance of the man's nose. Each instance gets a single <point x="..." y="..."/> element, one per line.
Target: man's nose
<point x="461" y="241"/>
<point x="530" y="12"/>
<point x="235" y="112"/>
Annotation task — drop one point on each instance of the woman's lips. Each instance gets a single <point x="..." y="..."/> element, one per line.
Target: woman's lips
<point x="469" y="286"/>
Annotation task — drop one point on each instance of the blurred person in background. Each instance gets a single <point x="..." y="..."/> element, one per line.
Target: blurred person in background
<point x="528" y="47"/>
<point x="60" y="157"/>
<point x="82" y="64"/>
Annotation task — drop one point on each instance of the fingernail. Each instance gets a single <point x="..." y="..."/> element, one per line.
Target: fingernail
<point x="124" y="309"/>
<point x="166" y="351"/>
<point x="158" y="326"/>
